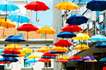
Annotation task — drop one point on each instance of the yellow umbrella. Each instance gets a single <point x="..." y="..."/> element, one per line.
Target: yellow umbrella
<point x="6" y="24"/>
<point x="81" y="47"/>
<point x="12" y="46"/>
<point x="46" y="30"/>
<point x="43" y="49"/>
<point x="81" y="36"/>
<point x="26" y="50"/>
<point x="32" y="56"/>
<point x="65" y="57"/>
<point x="66" y="6"/>
<point x="59" y="49"/>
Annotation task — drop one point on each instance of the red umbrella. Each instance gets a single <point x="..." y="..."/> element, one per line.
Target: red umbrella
<point x="77" y="57"/>
<point x="36" y="6"/>
<point x="27" y="28"/>
<point x="44" y="60"/>
<point x="49" y="54"/>
<point x="64" y="43"/>
<point x="71" y="28"/>
<point x="62" y="60"/>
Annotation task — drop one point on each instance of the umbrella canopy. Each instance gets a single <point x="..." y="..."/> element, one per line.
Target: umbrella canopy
<point x="66" y="35"/>
<point x="103" y="59"/>
<point x="36" y="6"/>
<point x="31" y="61"/>
<point x="26" y="50"/>
<point x="88" y="58"/>
<point x="27" y="27"/>
<point x="11" y="51"/>
<point x="76" y="20"/>
<point x="49" y="54"/>
<point x="43" y="49"/>
<point x="8" y="7"/>
<point x="32" y="56"/>
<point x="59" y="49"/>
<point x="62" y="60"/>
<point x="18" y="18"/>
<point x="98" y="38"/>
<point x="9" y="59"/>
<point x="44" y="60"/>
<point x="100" y="45"/>
<point x="96" y="5"/>
<point x="76" y="57"/>
<point x="66" y="6"/>
<point x="81" y="47"/>
<point x="49" y="57"/>
<point x="64" y="43"/>
<point x="71" y="28"/>
<point x="15" y="38"/>
<point x="7" y="23"/>
<point x="13" y="46"/>
<point x="46" y="30"/>
<point x="65" y="57"/>
<point x="9" y="55"/>
<point x="81" y="36"/>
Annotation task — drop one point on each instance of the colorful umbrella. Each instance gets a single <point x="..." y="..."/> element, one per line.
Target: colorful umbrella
<point x="15" y="38"/>
<point x="46" y="30"/>
<point x="36" y="6"/>
<point x="18" y="18"/>
<point x="81" y="47"/>
<point x="98" y="38"/>
<point x="64" y="43"/>
<point x="49" y="54"/>
<point x="27" y="28"/>
<point x="26" y="50"/>
<point x="9" y="55"/>
<point x="32" y="56"/>
<point x="31" y="61"/>
<point x="76" y="20"/>
<point x="88" y="58"/>
<point x="66" y="6"/>
<point x="100" y="45"/>
<point x="43" y="49"/>
<point x="59" y="49"/>
<point x="66" y="35"/>
<point x="96" y="5"/>
<point x="62" y="60"/>
<point x="76" y="57"/>
<point x="8" y="7"/>
<point x="81" y="36"/>
<point x="44" y="60"/>
<point x="71" y="28"/>
<point x="103" y="59"/>
<point x="65" y="57"/>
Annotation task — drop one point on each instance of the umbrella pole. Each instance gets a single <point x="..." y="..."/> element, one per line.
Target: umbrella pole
<point x="84" y="11"/>
<point x="27" y="36"/>
<point x="3" y="35"/>
<point x="36" y="16"/>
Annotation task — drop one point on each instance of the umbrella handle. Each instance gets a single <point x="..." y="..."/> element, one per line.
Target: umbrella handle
<point x="84" y="11"/>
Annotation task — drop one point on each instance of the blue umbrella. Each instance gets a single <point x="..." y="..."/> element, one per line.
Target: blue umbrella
<point x="66" y="35"/>
<point x="10" y="59"/>
<point x="103" y="59"/>
<point x="96" y="5"/>
<point x="31" y="61"/>
<point x="48" y="57"/>
<point x="76" y="20"/>
<point x="18" y="18"/>
<point x="100" y="45"/>
<point x="10" y="55"/>
<point x="98" y="38"/>
<point x="8" y="7"/>
<point x="88" y="58"/>
<point x="15" y="38"/>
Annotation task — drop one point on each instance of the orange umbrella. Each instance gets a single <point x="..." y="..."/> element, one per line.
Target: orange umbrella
<point x="59" y="49"/>
<point x="43" y="49"/>
<point x="46" y="30"/>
